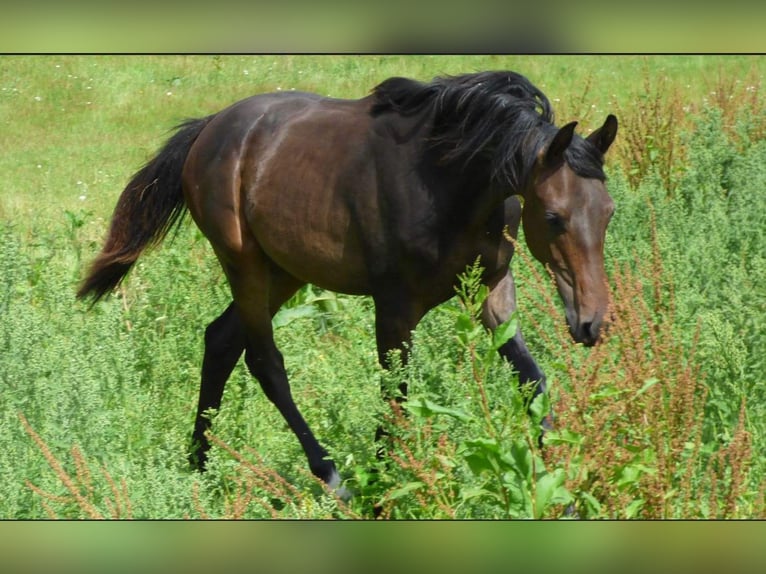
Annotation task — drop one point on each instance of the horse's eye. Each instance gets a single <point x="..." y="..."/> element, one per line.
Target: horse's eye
<point x="555" y="222"/>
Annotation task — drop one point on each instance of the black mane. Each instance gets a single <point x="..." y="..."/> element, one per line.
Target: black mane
<point x="501" y="116"/>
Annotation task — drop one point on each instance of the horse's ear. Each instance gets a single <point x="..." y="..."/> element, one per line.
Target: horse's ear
<point x="560" y="142"/>
<point x="603" y="137"/>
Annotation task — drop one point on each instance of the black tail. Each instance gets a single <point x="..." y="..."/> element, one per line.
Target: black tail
<point x="151" y="205"/>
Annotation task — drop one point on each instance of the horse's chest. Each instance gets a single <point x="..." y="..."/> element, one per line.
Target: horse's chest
<point x="437" y="261"/>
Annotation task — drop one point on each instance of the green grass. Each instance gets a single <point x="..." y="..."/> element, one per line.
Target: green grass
<point x="119" y="381"/>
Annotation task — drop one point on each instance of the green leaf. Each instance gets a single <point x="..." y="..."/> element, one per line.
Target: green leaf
<point x="607" y="393"/>
<point x="522" y="460"/>
<point x="483" y="444"/>
<point x="482" y="292"/>
<point x="403" y="491"/>
<point x="477" y="492"/>
<point x="540" y="407"/>
<point x="288" y="315"/>
<point x="594" y="506"/>
<point x="670" y="494"/>
<point x="631" y="474"/>
<point x="562" y="496"/>
<point x="558" y="366"/>
<point x="466" y="328"/>
<point x="479" y="463"/>
<point x="563" y="436"/>
<point x="481" y="455"/>
<point x="446" y="461"/>
<point x="543" y="493"/>
<point x="425" y="408"/>
<point x="648" y="384"/>
<point x="519" y="496"/>
<point x="504" y="332"/>
<point x="549" y="490"/>
<point x="634" y="508"/>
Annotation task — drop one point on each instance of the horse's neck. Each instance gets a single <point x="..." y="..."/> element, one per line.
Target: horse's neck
<point x="465" y="197"/>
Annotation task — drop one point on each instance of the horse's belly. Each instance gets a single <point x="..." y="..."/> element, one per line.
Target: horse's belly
<point x="316" y="244"/>
<point x="313" y="260"/>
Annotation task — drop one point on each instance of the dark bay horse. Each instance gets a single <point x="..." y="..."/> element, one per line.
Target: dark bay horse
<point x="391" y="195"/>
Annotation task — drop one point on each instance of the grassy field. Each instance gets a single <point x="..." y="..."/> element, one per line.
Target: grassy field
<point x="665" y="419"/>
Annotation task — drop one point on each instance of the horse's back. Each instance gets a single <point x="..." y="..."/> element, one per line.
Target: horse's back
<point x="286" y="170"/>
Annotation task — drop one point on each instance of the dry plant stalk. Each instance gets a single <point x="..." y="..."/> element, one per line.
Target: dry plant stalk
<point x="430" y="470"/>
<point x="198" y="506"/>
<point x="255" y="480"/>
<point x="638" y="401"/>
<point x="80" y="486"/>
<point x="739" y="98"/>
<point x="652" y="124"/>
<point x="649" y="132"/>
<point x="579" y="107"/>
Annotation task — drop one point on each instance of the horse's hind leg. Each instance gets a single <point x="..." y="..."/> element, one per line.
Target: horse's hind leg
<point x="259" y="289"/>
<point x="224" y="343"/>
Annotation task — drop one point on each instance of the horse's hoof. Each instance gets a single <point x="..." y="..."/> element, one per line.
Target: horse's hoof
<point x="571" y="512"/>
<point x="336" y="486"/>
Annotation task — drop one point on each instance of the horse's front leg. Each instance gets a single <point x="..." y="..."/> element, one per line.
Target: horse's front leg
<point x="396" y="315"/>
<point x="498" y="308"/>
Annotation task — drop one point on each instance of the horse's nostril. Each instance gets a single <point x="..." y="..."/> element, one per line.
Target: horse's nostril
<point x="590" y="332"/>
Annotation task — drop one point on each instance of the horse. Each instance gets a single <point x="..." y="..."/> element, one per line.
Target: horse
<point x="392" y="196"/>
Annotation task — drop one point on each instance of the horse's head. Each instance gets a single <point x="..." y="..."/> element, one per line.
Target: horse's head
<point x="566" y="212"/>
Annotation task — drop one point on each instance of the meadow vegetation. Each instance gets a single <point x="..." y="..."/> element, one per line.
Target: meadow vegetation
<point x="665" y="419"/>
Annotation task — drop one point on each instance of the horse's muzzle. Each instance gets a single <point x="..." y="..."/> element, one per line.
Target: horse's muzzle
<point x="587" y="332"/>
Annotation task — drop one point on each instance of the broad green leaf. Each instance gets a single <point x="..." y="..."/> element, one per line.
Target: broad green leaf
<point x="404" y="490"/>
<point x="631" y="473"/>
<point x="563" y="436"/>
<point x="521" y="499"/>
<point x="480" y="462"/>
<point x="594" y="506"/>
<point x="446" y="461"/>
<point x="549" y="490"/>
<point x="467" y="329"/>
<point x="288" y="315"/>
<point x="540" y="407"/>
<point x="504" y="332"/>
<point x="522" y="459"/>
<point x="544" y="489"/>
<point x="426" y="408"/>
<point x="562" y="496"/>
<point x="487" y="444"/>
<point x="634" y="508"/>
<point x="481" y="455"/>
<point x="477" y="492"/>
<point x="607" y="393"/>
<point x="648" y="384"/>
